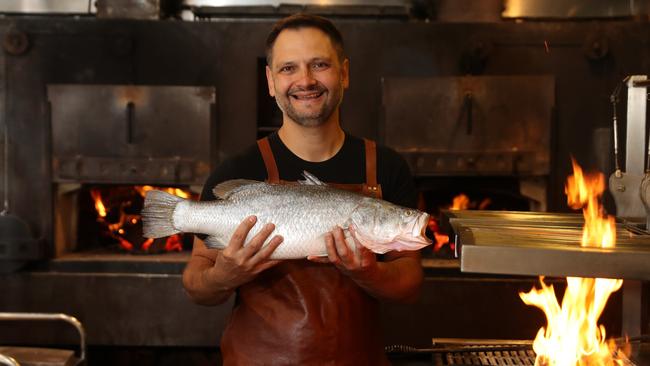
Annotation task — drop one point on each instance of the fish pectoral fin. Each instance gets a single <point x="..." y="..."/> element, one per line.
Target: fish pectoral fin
<point x="225" y="189"/>
<point x="310" y="179"/>
<point x="215" y="242"/>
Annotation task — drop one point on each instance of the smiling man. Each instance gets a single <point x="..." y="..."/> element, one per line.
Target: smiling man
<point x="307" y="78"/>
<point x="312" y="311"/>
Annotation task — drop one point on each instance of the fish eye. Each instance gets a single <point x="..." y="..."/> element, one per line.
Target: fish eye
<point x="409" y="212"/>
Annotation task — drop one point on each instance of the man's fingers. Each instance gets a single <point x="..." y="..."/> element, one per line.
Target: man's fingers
<point x="239" y="236"/>
<point x="366" y="257"/>
<point x="341" y="245"/>
<point x="318" y="259"/>
<point x="361" y="251"/>
<point x="332" y="255"/>
<point x="257" y="241"/>
<point x="264" y="253"/>
<point x="266" y="265"/>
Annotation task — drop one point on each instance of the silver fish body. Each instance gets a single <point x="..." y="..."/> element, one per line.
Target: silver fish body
<point x="302" y="215"/>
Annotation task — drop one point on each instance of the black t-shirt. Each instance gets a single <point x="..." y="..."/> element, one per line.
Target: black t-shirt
<point x="348" y="166"/>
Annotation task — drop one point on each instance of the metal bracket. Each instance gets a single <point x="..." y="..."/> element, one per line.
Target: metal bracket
<point x="624" y="187"/>
<point x="53" y="316"/>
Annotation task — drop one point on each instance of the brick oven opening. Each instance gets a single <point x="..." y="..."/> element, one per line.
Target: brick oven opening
<point x="105" y="218"/>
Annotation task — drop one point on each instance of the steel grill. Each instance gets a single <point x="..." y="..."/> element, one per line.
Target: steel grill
<point x="489" y="352"/>
<point x="510" y="358"/>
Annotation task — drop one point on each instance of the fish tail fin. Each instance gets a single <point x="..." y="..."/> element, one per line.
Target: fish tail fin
<point x="158" y="214"/>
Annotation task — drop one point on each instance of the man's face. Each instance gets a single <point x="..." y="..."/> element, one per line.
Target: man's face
<point x="306" y="77"/>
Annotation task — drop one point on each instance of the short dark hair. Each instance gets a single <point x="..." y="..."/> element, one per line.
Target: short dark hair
<point x="301" y="20"/>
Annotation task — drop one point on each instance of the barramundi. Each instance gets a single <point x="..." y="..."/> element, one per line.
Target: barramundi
<point x="302" y="214"/>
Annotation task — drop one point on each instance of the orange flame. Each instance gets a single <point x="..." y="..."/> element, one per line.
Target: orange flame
<point x="99" y="205"/>
<point x="572" y="336"/>
<point x="171" y="190"/>
<point x="460" y="202"/>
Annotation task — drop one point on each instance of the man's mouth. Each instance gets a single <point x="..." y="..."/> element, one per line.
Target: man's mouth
<point x="307" y="96"/>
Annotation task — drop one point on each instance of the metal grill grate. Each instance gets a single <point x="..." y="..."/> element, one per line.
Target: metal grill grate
<point x="509" y="358"/>
<point x="465" y="352"/>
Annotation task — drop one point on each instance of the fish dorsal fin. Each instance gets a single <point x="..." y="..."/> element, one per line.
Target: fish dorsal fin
<point x="310" y="179"/>
<point x="225" y="189"/>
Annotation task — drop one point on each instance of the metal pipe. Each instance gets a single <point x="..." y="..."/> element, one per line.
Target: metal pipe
<point x="636" y="121"/>
<point x="647" y="161"/>
<point x="614" y="99"/>
<point x="53" y="316"/>
<point x="5" y="208"/>
<point x="8" y="361"/>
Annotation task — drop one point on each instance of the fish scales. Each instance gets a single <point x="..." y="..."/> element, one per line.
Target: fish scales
<point x="301" y="215"/>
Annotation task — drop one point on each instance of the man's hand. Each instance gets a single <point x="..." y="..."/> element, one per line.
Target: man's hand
<point x="212" y="275"/>
<point x="238" y="263"/>
<point x="357" y="263"/>
<point x="398" y="277"/>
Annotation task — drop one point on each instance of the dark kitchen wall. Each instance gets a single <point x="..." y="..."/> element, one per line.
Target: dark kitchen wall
<point x="587" y="58"/>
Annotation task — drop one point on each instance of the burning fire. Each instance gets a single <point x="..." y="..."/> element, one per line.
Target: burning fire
<point x="572" y="336"/>
<point x="459" y="202"/>
<point x="117" y="230"/>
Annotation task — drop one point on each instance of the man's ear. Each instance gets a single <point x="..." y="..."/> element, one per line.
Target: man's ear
<point x="269" y="81"/>
<point x="345" y="73"/>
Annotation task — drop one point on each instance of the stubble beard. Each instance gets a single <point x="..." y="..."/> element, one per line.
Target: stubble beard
<point x="314" y="118"/>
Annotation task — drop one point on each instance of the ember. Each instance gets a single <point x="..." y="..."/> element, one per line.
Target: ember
<point x="572" y="335"/>
<point x="118" y="215"/>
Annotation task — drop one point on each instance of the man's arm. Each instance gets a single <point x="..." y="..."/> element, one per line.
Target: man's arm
<point x="398" y="278"/>
<point x="212" y="275"/>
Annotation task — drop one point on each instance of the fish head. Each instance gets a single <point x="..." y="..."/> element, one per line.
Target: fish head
<point x="382" y="226"/>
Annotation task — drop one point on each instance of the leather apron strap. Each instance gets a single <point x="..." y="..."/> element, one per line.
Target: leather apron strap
<point x="269" y="161"/>
<point x="371" y="188"/>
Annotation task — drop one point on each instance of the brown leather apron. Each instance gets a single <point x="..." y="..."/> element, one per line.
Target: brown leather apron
<point x="305" y="313"/>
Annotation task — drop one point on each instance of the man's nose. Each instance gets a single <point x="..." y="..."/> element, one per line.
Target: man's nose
<point x="306" y="77"/>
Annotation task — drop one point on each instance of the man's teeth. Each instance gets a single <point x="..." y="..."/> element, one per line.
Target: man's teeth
<point x="307" y="96"/>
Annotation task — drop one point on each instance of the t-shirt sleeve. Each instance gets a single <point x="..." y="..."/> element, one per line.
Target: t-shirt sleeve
<point x="395" y="177"/>
<point x="222" y="173"/>
<point x="247" y="165"/>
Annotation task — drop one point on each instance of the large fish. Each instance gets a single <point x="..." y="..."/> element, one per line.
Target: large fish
<point x="302" y="214"/>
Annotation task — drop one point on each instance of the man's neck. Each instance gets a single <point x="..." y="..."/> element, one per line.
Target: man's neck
<point x="314" y="144"/>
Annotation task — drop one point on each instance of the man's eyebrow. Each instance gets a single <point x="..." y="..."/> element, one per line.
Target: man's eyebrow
<point x="324" y="58"/>
<point x="285" y="63"/>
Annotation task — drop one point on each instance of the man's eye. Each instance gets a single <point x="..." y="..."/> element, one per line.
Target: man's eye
<point x="320" y="65"/>
<point x="286" y="68"/>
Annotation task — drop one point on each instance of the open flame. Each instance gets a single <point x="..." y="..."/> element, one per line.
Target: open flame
<point x="459" y="202"/>
<point x="118" y="229"/>
<point x="572" y="336"/>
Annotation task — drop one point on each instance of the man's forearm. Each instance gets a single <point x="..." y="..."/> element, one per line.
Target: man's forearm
<point x="396" y="280"/>
<point x="202" y="288"/>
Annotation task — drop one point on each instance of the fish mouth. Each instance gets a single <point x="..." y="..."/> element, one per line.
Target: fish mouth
<point x="420" y="228"/>
<point x="417" y="238"/>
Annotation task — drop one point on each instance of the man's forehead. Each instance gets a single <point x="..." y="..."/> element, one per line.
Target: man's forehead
<point x="302" y="41"/>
